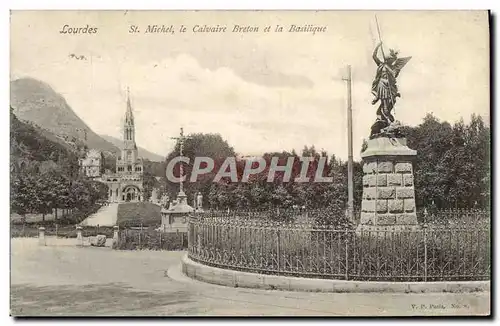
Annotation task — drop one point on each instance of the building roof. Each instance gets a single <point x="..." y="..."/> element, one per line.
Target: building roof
<point x="180" y="208"/>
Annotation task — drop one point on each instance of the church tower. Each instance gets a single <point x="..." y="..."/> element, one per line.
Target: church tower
<point x="129" y="162"/>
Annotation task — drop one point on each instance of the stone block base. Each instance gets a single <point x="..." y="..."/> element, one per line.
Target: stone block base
<point x="388" y="188"/>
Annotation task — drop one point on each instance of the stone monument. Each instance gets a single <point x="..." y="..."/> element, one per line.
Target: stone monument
<point x="175" y="218"/>
<point x="388" y="187"/>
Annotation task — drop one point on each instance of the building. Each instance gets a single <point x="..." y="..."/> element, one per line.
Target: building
<point x="91" y="164"/>
<point x="126" y="184"/>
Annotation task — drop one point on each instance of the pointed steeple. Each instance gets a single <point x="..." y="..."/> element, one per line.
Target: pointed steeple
<point x="129" y="116"/>
<point x="128" y="126"/>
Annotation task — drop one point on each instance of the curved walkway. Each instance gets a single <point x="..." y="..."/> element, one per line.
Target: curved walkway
<point x="72" y="281"/>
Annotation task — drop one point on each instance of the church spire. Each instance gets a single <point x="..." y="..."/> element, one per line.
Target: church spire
<point x="129" y="128"/>
<point x="129" y="116"/>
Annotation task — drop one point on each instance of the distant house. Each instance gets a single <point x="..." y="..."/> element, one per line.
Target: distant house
<point x="91" y="164"/>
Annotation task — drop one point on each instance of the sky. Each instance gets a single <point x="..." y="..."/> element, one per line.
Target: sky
<point x="261" y="91"/>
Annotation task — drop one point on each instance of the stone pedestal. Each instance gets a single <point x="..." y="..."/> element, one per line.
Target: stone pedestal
<point x="79" y="237"/>
<point x="115" y="234"/>
<point x="388" y="188"/>
<point x="41" y="236"/>
<point x="175" y="219"/>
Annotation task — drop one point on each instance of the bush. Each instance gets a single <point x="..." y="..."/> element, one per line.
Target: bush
<point x="18" y="231"/>
<point x="61" y="231"/>
<point x="74" y="217"/>
<point x="149" y="239"/>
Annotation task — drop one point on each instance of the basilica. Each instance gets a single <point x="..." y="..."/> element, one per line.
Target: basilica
<point x="126" y="184"/>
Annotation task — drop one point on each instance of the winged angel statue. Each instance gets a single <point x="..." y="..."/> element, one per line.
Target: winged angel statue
<point x="385" y="89"/>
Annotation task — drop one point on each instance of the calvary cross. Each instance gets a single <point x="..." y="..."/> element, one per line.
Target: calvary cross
<point x="181" y="140"/>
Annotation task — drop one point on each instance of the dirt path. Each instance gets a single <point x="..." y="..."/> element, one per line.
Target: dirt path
<point x="100" y="281"/>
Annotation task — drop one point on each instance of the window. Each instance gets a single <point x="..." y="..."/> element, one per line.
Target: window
<point x="129" y="155"/>
<point x="130" y="168"/>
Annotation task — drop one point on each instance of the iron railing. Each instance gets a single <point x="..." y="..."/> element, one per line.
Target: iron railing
<point x="426" y="253"/>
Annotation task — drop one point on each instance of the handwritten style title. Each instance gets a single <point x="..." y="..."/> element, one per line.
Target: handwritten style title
<point x="169" y="29"/>
<point x="235" y="28"/>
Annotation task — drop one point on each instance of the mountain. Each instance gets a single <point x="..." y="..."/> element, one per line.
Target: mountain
<point x="29" y="143"/>
<point x="144" y="153"/>
<point x="36" y="102"/>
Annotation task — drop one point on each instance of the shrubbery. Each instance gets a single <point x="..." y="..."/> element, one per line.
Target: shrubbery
<point x="151" y="240"/>
<point x="61" y="231"/>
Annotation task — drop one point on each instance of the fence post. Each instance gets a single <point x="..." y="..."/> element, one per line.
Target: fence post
<point x="41" y="236"/>
<point x="56" y="230"/>
<point x="425" y="242"/>
<point x="346" y="255"/>
<point x="160" y="239"/>
<point x="425" y="251"/>
<point x="79" y="238"/>
<point x="140" y="238"/>
<point x="278" y="248"/>
<point x="189" y="236"/>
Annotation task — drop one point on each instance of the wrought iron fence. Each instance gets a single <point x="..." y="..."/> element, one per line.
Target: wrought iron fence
<point x="424" y="254"/>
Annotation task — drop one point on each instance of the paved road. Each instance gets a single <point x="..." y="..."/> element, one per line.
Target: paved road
<point x="63" y="280"/>
<point x="105" y="216"/>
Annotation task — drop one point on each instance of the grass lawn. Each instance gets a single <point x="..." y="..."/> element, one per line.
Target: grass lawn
<point x="135" y="214"/>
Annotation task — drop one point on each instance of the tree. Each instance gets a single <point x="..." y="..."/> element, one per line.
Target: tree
<point x="199" y="145"/>
<point x="20" y="199"/>
<point x="452" y="163"/>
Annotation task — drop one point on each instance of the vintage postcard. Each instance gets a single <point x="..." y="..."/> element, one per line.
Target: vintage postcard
<point x="250" y="163"/>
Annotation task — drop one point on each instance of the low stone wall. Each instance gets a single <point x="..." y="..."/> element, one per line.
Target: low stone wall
<point x="233" y="278"/>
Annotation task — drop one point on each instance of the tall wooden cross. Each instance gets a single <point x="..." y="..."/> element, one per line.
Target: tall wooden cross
<point x="181" y="140"/>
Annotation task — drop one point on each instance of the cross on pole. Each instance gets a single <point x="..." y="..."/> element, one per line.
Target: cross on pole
<point x="181" y="140"/>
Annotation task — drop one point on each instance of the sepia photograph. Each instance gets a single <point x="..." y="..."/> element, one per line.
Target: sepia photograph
<point x="250" y="163"/>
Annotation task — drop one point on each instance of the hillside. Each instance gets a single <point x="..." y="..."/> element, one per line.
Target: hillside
<point x="144" y="153"/>
<point x="30" y="143"/>
<point x="37" y="102"/>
